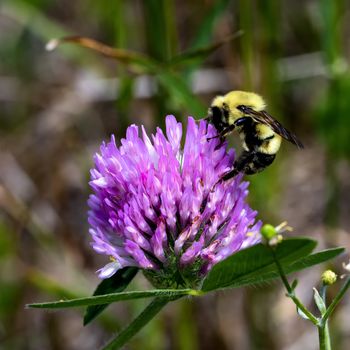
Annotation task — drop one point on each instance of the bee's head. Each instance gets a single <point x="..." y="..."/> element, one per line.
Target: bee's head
<point x="226" y="109"/>
<point x="218" y="114"/>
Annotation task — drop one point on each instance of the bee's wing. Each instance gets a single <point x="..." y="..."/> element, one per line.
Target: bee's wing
<point x="264" y="118"/>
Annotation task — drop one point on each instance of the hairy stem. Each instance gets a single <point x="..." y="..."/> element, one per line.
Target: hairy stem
<point x="291" y="293"/>
<point x="336" y="301"/>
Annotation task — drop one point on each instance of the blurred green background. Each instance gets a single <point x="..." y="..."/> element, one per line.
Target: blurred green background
<point x="57" y="107"/>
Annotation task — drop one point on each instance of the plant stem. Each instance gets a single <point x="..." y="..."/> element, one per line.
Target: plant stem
<point x="323" y="329"/>
<point x="138" y="323"/>
<point x="327" y="336"/>
<point x="291" y="293"/>
<point x="324" y="338"/>
<point x="336" y="301"/>
<point x="321" y="338"/>
<point x="323" y="293"/>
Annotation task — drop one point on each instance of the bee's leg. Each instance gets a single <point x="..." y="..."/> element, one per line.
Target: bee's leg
<point x="250" y="163"/>
<point x="242" y="164"/>
<point x="223" y="132"/>
<point x="229" y="175"/>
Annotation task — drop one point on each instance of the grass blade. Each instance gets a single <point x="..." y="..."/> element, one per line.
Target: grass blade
<point x="199" y="54"/>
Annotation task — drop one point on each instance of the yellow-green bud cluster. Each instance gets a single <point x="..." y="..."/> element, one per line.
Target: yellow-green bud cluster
<point x="328" y="277"/>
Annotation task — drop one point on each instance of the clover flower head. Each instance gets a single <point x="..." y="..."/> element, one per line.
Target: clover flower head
<point x="159" y="206"/>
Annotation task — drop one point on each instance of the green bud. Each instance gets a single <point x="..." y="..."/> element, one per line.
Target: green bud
<point x="328" y="277"/>
<point x="268" y="232"/>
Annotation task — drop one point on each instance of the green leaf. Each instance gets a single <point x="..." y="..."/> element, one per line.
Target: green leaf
<point x="199" y="54"/>
<point x="117" y="283"/>
<point x="113" y="297"/>
<point x="250" y="263"/>
<point x="303" y="263"/>
<point x="138" y="323"/>
<point x="313" y="259"/>
<point x="289" y="263"/>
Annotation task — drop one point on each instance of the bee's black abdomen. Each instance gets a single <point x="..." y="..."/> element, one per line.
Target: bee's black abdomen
<point x="259" y="163"/>
<point x="253" y="162"/>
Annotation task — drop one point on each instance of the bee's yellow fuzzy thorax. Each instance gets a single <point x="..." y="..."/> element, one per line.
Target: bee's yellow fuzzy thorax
<point x="249" y="99"/>
<point x="233" y="99"/>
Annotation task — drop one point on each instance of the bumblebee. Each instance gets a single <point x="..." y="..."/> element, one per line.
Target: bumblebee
<point x="260" y="133"/>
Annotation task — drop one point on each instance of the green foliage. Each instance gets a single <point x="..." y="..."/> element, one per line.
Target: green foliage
<point x="170" y="44"/>
<point x="253" y="265"/>
<point x="249" y="266"/>
<point x="177" y="89"/>
<point x="256" y="264"/>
